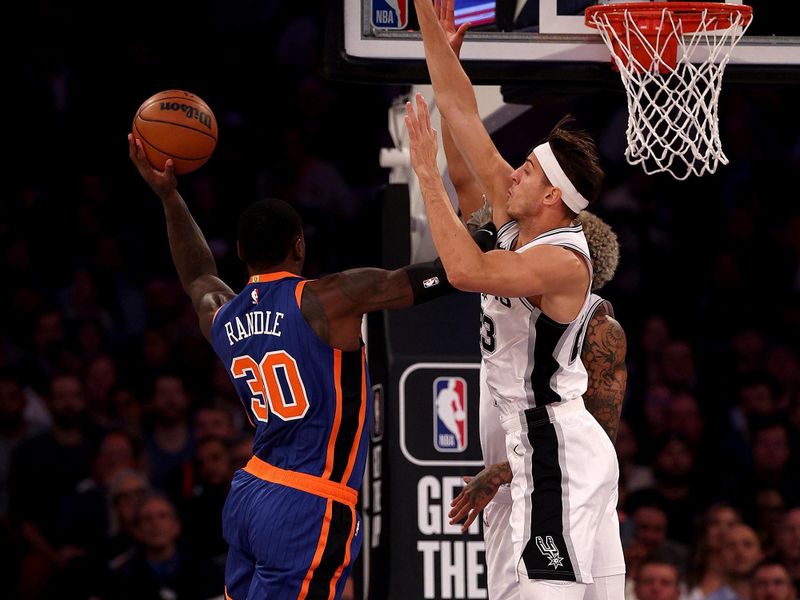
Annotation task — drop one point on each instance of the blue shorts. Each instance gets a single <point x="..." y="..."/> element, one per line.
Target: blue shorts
<point x="286" y="543"/>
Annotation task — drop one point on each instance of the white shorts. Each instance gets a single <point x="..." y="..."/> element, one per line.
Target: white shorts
<point x="501" y="566"/>
<point x="563" y="521"/>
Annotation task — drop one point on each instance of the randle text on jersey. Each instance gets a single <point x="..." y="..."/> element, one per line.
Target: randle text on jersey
<point x="255" y="322"/>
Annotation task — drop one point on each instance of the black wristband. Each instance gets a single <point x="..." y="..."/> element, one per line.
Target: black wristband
<point x="428" y="281"/>
<point x="486" y="236"/>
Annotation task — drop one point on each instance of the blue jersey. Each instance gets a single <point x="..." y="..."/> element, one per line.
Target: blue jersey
<point x="309" y="402"/>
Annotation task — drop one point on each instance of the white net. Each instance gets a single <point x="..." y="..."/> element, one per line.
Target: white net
<point x="673" y="123"/>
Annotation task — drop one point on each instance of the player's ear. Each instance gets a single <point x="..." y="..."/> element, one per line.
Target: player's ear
<point x="554" y="197"/>
<point x="299" y="248"/>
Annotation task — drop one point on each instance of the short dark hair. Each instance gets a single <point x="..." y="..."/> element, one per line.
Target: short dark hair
<point x="576" y="153"/>
<point x="266" y="231"/>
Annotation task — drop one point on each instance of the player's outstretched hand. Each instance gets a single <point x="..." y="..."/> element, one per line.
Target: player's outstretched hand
<point x="478" y="492"/>
<point x="422" y="139"/>
<point x="445" y="10"/>
<point x="162" y="182"/>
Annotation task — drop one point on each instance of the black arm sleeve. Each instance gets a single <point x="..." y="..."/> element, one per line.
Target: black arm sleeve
<point x="429" y="280"/>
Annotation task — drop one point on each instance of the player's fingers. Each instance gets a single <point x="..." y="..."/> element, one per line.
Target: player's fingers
<point x="470" y="519"/>
<point x="437" y="4"/>
<point x="169" y="168"/>
<point x="131" y="147"/>
<point x="410" y="127"/>
<point x="451" y="11"/>
<point x="424" y="116"/>
<point x="410" y="113"/>
<point x="467" y="479"/>
<point x="458" y="498"/>
<point x="459" y="515"/>
<point x="462" y="30"/>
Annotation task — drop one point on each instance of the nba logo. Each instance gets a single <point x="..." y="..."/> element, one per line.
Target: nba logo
<point x="450" y="414"/>
<point x="389" y="14"/>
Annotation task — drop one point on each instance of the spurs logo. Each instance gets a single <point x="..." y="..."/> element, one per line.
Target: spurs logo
<point x="549" y="549"/>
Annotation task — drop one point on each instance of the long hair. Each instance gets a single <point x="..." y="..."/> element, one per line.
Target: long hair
<point x="603" y="248"/>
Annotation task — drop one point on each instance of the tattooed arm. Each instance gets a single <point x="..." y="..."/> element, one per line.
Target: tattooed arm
<point x="334" y="305"/>
<point x="603" y="355"/>
<point x="478" y="492"/>
<point x="193" y="260"/>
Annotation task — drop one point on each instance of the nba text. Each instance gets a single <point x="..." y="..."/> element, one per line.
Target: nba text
<point x="452" y="568"/>
<point x="256" y="322"/>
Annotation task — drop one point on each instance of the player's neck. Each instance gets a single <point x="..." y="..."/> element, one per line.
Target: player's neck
<point x="541" y="223"/>
<point x="288" y="266"/>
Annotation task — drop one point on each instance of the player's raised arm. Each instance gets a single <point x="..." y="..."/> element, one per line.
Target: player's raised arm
<point x="548" y="269"/>
<point x="456" y="100"/>
<point x="193" y="260"/>
<point x="468" y="189"/>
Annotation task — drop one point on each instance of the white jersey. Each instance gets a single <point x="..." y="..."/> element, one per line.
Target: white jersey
<point x="501" y="561"/>
<point x="531" y="360"/>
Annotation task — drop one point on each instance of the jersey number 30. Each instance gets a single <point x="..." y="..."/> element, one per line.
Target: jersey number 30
<point x="268" y="394"/>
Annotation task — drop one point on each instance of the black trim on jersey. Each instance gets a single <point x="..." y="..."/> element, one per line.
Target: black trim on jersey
<point x="351" y="407"/>
<point x="503" y="228"/>
<point x="545" y="365"/>
<point x="579" y="339"/>
<point x="546" y="557"/>
<point x="569" y="229"/>
<point x="334" y="552"/>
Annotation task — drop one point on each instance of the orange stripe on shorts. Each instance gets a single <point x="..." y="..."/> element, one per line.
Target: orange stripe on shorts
<point x="323" y="540"/>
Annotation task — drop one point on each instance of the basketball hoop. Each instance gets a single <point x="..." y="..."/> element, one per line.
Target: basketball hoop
<point x="671" y="57"/>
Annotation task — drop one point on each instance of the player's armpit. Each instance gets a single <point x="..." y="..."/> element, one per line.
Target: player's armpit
<point x="208" y="293"/>
<point x="603" y="355"/>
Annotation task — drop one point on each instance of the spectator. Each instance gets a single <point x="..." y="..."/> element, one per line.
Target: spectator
<point x="678" y="369"/>
<point x="789" y="544"/>
<point x="203" y="509"/>
<point x="14" y="430"/>
<point x="674" y="469"/>
<point x="214" y="420"/>
<point x="127" y="489"/>
<point x="101" y="380"/>
<point x="770" y="508"/>
<point x="650" y="526"/>
<point x="706" y="569"/>
<point x="169" y="443"/>
<point x="771" y="581"/>
<point x="43" y="470"/>
<point x="741" y="552"/>
<point x="160" y="567"/>
<point x="657" y="580"/>
<point x="633" y="475"/>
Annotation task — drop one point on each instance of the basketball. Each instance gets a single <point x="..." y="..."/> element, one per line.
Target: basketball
<point x="178" y="125"/>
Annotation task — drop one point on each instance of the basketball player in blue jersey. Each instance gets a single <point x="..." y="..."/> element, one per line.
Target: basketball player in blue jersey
<point x="536" y="299"/>
<point x="294" y="353"/>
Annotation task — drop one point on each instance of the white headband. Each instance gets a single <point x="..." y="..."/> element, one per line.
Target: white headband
<point x="571" y="197"/>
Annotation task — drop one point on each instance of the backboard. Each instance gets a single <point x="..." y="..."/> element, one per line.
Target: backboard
<point x="531" y="41"/>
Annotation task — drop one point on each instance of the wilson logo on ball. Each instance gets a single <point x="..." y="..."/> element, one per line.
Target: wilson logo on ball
<point x="176" y="125"/>
<point x="190" y="111"/>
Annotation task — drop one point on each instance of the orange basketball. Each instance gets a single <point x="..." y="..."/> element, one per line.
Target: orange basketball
<point x="178" y="125"/>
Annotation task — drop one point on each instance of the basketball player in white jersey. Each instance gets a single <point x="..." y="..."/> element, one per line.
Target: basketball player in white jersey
<point x="603" y="354"/>
<point x="536" y="301"/>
